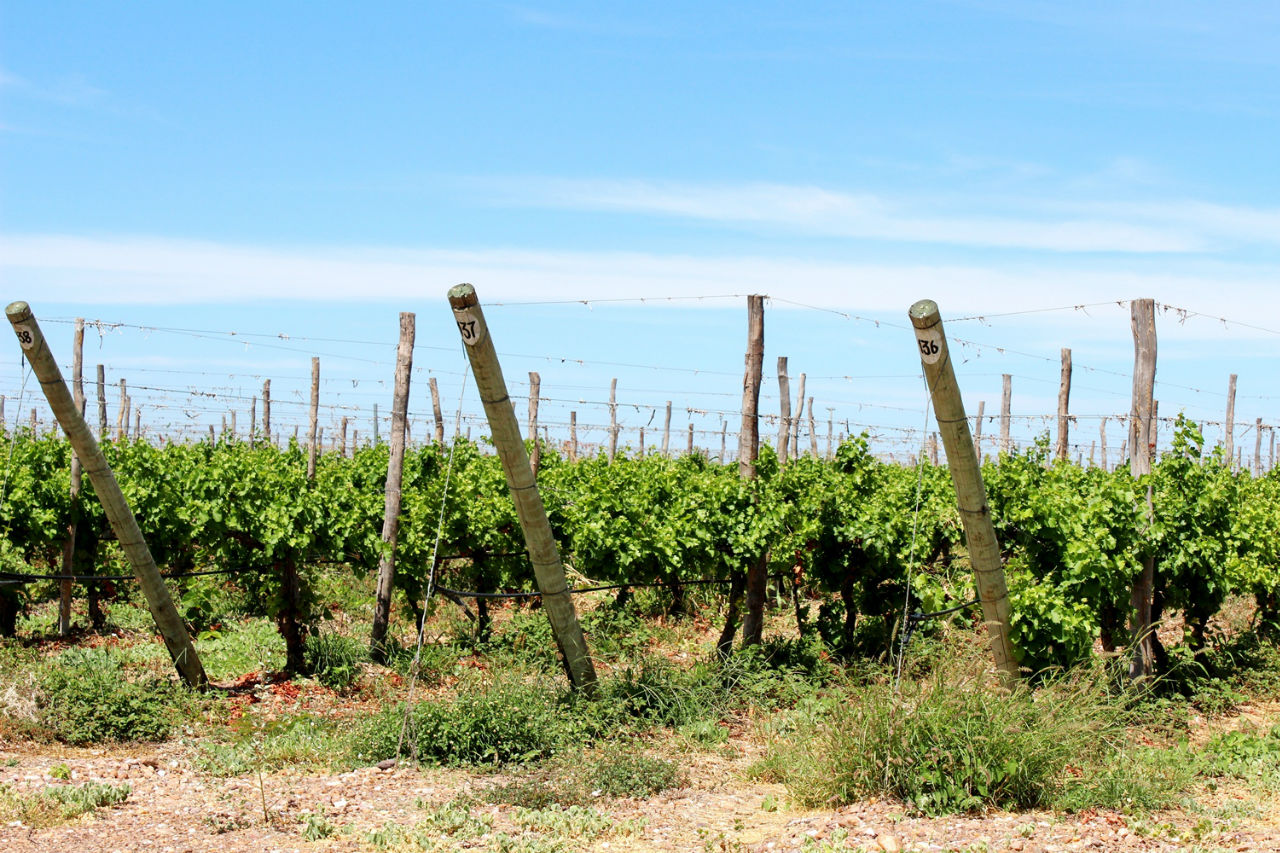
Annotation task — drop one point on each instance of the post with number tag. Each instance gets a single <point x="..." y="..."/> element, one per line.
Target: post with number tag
<point x="115" y="506"/>
<point x="971" y="495"/>
<point x="543" y="553"/>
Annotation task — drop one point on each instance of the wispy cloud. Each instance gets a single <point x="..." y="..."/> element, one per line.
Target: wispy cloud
<point x="819" y="211"/>
<point x="147" y="270"/>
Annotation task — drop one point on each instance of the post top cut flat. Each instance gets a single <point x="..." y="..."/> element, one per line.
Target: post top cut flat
<point x="924" y="313"/>
<point x="17" y="311"/>
<point x="462" y="296"/>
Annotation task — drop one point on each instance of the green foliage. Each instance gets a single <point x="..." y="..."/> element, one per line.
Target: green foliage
<point x="58" y="804"/>
<point x="626" y="773"/>
<point x="88" y="696"/>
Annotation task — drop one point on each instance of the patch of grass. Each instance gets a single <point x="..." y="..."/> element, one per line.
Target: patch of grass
<point x="88" y="696"/>
<point x="58" y="804"/>
<point x="301" y="740"/>
<point x="625" y="773"/>
<point x="952" y="742"/>
<point x="334" y="659"/>
<point x="578" y="779"/>
<point x="1247" y="754"/>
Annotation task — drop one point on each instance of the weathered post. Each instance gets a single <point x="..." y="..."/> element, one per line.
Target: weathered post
<point x="573" y="438"/>
<point x="831" y="426"/>
<point x="1102" y="444"/>
<point x="971" y="497"/>
<point x="395" y="476"/>
<point x="102" y="402"/>
<point x="122" y="416"/>
<point x="724" y="440"/>
<point x="784" y="410"/>
<point x="313" y="427"/>
<point x="1229" y="430"/>
<point x="435" y="410"/>
<point x="613" y="418"/>
<point x="1006" y="407"/>
<point x="1257" y="448"/>
<point x="1064" y="398"/>
<point x="253" y="421"/>
<point x="689" y="447"/>
<point x="795" y="422"/>
<point x="666" y="433"/>
<point x="342" y="437"/>
<point x="1141" y="444"/>
<point x="544" y="555"/>
<point x="69" y="547"/>
<point x="535" y="387"/>
<point x="107" y="489"/>
<point x="748" y="452"/>
<point x="813" y="432"/>
<point x="977" y="431"/>
<point x="266" y="409"/>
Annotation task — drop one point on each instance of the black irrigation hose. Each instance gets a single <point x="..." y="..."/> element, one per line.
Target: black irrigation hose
<point x="576" y="590"/>
<point x="915" y="619"/>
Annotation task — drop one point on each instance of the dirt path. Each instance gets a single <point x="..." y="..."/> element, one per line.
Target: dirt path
<point x="175" y="809"/>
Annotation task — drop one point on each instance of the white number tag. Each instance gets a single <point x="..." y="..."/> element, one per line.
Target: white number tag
<point x="468" y="327"/>
<point x="26" y="337"/>
<point x="930" y="341"/>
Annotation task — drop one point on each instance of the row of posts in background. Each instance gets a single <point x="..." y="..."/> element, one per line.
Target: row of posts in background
<point x="794" y="435"/>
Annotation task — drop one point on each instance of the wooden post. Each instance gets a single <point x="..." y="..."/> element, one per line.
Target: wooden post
<point x="830" y="433"/>
<point x="235" y="434"/>
<point x="435" y="410"/>
<point x="1257" y="448"/>
<point x="102" y="403"/>
<point x="1093" y="449"/>
<point x="69" y="546"/>
<point x="212" y="436"/>
<point x="313" y="427"/>
<point x="748" y="453"/>
<point x="1271" y="454"/>
<point x="107" y="489"/>
<point x="547" y="568"/>
<point x="784" y="410"/>
<point x="34" y="433"/>
<point x="1102" y="436"/>
<point x="641" y="442"/>
<point x="971" y="496"/>
<point x="795" y="422"/>
<point x="342" y="437"/>
<point x="813" y="432"/>
<point x="573" y="438"/>
<point x="689" y="448"/>
<point x="1141" y="428"/>
<point x="535" y="386"/>
<point x="395" y="474"/>
<point x="1229" y="430"/>
<point x="933" y="448"/>
<point x="122" y="415"/>
<point x="1006" y="400"/>
<point x="613" y="418"/>
<point x="253" y="420"/>
<point x="266" y="409"/>
<point x="137" y="423"/>
<point x="666" y="433"/>
<point x="1064" y="398"/>
<point x="977" y="431"/>
<point x="724" y="439"/>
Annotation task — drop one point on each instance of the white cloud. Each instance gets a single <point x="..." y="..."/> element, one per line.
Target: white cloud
<point x="146" y="270"/>
<point x="814" y="210"/>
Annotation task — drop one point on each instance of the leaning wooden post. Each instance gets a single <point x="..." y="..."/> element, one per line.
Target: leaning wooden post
<point x="435" y="410"/>
<point x="1006" y="407"/>
<point x="1064" y="398"/>
<point x="395" y="474"/>
<point x="69" y="547"/>
<point x="971" y="496"/>
<point x="543" y="553"/>
<point x="613" y="418"/>
<point x="1141" y="443"/>
<point x="107" y="489"/>
<point x="313" y="435"/>
<point x="748" y="452"/>
<point x="1229" y="430"/>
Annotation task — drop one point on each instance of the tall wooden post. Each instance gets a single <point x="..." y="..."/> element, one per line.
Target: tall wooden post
<point x="435" y="410"/>
<point x="666" y="433"/>
<point x="795" y="422"/>
<point x="813" y="432"/>
<point x="784" y="410"/>
<point x="1064" y="399"/>
<point x="830" y="434"/>
<point x="1257" y="448"/>
<point x="748" y="453"/>
<point x="1006" y="407"/>
<point x="613" y="418"/>
<point x="573" y="438"/>
<point x="641" y="442"/>
<point x="971" y="496"/>
<point x="689" y="447"/>
<point x="253" y="421"/>
<point x="122" y="416"/>
<point x="977" y="431"/>
<point x="313" y="426"/>
<point x="235" y="434"/>
<point x="342" y="437"/>
<point x="266" y="410"/>
<point x="724" y="440"/>
<point x="1229" y="430"/>
<point x="395" y="476"/>
<point x="535" y="388"/>
<point x="108" y="491"/>
<point x="547" y="568"/>
<point x="69" y="546"/>
<point x="102" y="403"/>
<point x="1141" y="444"/>
<point x="1271" y="454"/>
<point x="1102" y="444"/>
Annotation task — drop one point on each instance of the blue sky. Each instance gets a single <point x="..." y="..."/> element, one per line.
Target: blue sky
<point x="309" y="170"/>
